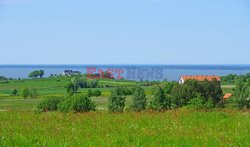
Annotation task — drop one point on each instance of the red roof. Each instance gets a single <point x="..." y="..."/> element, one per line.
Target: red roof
<point x="227" y="96"/>
<point x="201" y="78"/>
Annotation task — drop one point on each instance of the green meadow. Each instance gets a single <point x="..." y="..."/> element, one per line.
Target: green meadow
<point x="171" y="128"/>
<point x="21" y="126"/>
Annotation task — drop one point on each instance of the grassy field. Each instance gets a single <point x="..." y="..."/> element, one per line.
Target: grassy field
<point x="21" y="126"/>
<point x="171" y="128"/>
<point x="54" y="87"/>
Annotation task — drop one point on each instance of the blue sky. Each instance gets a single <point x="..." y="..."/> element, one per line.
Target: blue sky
<point x="124" y="32"/>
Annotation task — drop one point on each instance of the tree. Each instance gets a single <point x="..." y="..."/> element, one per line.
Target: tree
<point x="139" y="99"/>
<point x="14" y="92"/>
<point x="159" y="101"/>
<point x="116" y="101"/>
<point x="97" y="93"/>
<point x="25" y="92"/>
<point x="2" y="78"/>
<point x="89" y="93"/>
<point x="41" y="73"/>
<point x="36" y="73"/>
<point x="73" y="85"/>
<point x="70" y="88"/>
<point x="168" y="86"/>
<point x="241" y="96"/>
<point x="33" y="93"/>
<point x="209" y="90"/>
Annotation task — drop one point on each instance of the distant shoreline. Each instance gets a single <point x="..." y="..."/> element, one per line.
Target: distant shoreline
<point x="165" y="66"/>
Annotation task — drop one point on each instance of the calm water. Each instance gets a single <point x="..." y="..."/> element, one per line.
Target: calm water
<point x="170" y="72"/>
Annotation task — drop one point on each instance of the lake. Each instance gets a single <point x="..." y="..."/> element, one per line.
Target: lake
<point x="169" y="72"/>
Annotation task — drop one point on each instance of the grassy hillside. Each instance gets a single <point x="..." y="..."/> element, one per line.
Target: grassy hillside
<point x="56" y="87"/>
<point x="20" y="126"/>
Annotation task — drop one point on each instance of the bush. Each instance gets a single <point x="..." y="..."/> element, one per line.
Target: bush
<point x="4" y="82"/>
<point x="127" y="91"/>
<point x="33" y="93"/>
<point x="209" y="104"/>
<point x="196" y="103"/>
<point x="14" y="92"/>
<point x="138" y="100"/>
<point x="77" y="103"/>
<point x="66" y="104"/>
<point x="82" y="103"/>
<point x="240" y="97"/>
<point x="2" y="78"/>
<point x="89" y="93"/>
<point x="182" y="94"/>
<point x="49" y="104"/>
<point x="116" y="101"/>
<point x="159" y="101"/>
<point x="97" y="93"/>
<point x="25" y="92"/>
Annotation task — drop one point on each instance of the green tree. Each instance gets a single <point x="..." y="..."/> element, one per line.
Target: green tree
<point x="89" y="93"/>
<point x="70" y="88"/>
<point x="25" y="92"/>
<point x="2" y="78"/>
<point x="159" y="101"/>
<point x="14" y="92"/>
<point x="33" y="93"/>
<point x="168" y="86"/>
<point x="197" y="102"/>
<point x="209" y="90"/>
<point x="36" y="73"/>
<point x="41" y="73"/>
<point x="241" y="96"/>
<point x="139" y="99"/>
<point x="116" y="101"/>
<point x="97" y="93"/>
<point x="49" y="104"/>
<point x="73" y="85"/>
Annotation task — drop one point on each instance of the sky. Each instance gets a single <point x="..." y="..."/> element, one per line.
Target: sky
<point x="124" y="32"/>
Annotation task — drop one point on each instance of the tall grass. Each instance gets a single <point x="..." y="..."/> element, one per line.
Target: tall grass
<point x="171" y="128"/>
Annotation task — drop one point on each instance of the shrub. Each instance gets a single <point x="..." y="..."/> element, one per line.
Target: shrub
<point x="97" y="93"/>
<point x="14" y="92"/>
<point x="25" y="92"/>
<point x="139" y="99"/>
<point x="196" y="103"/>
<point x="33" y="93"/>
<point x="66" y="104"/>
<point x="83" y="103"/>
<point x="209" y="104"/>
<point x="76" y="103"/>
<point x="89" y="93"/>
<point x="127" y="91"/>
<point x="116" y="101"/>
<point x="2" y="78"/>
<point x="159" y="101"/>
<point x="49" y="104"/>
<point x="182" y="94"/>
<point x="70" y="88"/>
<point x="4" y="82"/>
<point x="240" y="97"/>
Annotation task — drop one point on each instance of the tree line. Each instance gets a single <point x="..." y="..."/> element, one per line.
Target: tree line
<point x="233" y="78"/>
<point x="36" y="74"/>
